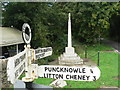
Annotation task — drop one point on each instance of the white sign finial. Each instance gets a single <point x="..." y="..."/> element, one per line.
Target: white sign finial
<point x="26" y="25"/>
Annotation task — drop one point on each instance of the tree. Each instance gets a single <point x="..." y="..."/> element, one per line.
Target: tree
<point x="48" y="21"/>
<point x="90" y="20"/>
<point x="115" y="28"/>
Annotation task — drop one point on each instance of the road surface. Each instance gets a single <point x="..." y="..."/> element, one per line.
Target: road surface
<point x="113" y="44"/>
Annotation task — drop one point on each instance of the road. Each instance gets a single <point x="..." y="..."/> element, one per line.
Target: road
<point x="113" y="44"/>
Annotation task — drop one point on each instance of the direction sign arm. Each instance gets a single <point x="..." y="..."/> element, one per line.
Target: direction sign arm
<point x="43" y="52"/>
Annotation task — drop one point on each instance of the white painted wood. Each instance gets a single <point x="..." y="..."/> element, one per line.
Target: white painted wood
<point x="43" y="52"/>
<point x="16" y="66"/>
<point x="76" y="73"/>
<point x="28" y="73"/>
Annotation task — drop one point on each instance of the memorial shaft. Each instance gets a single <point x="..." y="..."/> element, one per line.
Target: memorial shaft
<point x="69" y="32"/>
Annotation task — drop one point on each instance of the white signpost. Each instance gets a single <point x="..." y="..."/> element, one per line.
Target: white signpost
<point x="23" y="61"/>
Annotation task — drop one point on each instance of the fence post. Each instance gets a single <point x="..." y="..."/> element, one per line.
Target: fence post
<point x="85" y="52"/>
<point x="98" y="58"/>
<point x="47" y="62"/>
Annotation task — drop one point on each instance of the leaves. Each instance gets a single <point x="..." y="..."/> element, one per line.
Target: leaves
<point x="90" y="20"/>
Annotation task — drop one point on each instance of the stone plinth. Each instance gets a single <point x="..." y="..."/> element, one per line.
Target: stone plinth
<point x="70" y="57"/>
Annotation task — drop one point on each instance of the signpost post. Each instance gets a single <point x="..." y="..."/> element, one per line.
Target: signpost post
<point x="28" y="71"/>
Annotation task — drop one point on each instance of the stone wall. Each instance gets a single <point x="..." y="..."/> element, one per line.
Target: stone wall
<point x="3" y="74"/>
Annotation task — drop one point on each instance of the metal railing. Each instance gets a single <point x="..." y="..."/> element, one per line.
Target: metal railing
<point x="91" y="56"/>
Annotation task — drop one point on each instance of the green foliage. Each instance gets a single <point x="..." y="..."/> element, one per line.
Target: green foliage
<point x="89" y="20"/>
<point x="115" y="28"/>
<point x="48" y="21"/>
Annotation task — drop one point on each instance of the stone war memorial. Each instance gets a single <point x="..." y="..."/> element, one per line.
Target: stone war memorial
<point x="70" y="67"/>
<point x="70" y="57"/>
